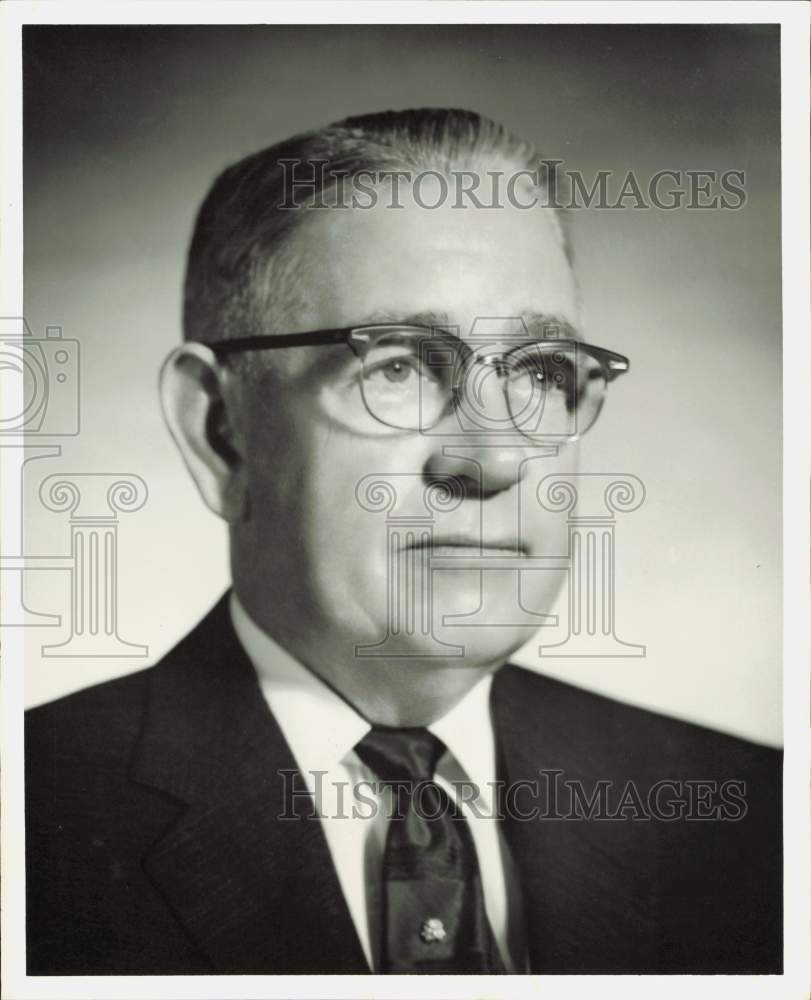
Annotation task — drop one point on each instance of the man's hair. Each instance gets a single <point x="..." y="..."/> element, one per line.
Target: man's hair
<point x="241" y="265"/>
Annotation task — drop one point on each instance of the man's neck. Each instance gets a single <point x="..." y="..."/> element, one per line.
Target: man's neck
<point x="402" y="691"/>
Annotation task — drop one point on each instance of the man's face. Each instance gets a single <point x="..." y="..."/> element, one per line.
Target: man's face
<point x="318" y="556"/>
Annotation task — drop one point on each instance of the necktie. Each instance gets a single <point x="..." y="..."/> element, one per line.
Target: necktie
<point x="434" y="920"/>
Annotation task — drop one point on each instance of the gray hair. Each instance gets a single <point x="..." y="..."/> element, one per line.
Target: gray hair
<point x="241" y="263"/>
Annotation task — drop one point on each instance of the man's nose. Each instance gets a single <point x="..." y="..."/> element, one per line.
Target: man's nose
<point x="472" y="442"/>
<point x="484" y="469"/>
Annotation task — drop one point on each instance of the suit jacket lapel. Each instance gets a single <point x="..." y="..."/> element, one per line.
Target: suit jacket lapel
<point x="258" y="892"/>
<point x="588" y="885"/>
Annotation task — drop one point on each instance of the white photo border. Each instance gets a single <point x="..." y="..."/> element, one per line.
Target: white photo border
<point x="794" y="21"/>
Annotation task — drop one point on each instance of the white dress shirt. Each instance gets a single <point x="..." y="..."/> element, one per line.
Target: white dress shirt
<point x="322" y="730"/>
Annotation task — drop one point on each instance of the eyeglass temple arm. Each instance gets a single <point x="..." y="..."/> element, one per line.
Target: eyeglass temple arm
<point x="270" y="342"/>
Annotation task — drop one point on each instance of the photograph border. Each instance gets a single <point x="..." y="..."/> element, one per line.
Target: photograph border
<point x="793" y="18"/>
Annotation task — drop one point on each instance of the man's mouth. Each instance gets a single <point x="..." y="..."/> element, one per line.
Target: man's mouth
<point x="449" y="545"/>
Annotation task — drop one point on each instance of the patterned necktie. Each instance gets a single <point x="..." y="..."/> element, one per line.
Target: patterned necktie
<point x="434" y="919"/>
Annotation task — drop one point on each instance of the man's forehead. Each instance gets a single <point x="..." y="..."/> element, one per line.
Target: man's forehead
<point x="410" y="218"/>
<point x="451" y="268"/>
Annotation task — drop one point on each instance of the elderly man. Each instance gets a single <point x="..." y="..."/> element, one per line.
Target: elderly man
<point x="338" y="770"/>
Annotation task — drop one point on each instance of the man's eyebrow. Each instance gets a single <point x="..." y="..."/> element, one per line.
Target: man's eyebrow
<point x="539" y="326"/>
<point x="426" y="317"/>
<point x="549" y="326"/>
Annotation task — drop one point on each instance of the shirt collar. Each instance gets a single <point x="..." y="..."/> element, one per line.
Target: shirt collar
<point x="467" y="732"/>
<point x="319" y="726"/>
<point x="322" y="729"/>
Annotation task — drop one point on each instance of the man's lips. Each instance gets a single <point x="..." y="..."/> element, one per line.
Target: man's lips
<point x="468" y="543"/>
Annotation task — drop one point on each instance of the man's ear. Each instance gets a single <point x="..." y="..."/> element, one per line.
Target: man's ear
<point x="195" y="411"/>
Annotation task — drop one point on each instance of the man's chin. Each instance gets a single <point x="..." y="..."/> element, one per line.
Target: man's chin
<point x="469" y="618"/>
<point x="458" y="645"/>
<point x="442" y="647"/>
<point x="490" y="614"/>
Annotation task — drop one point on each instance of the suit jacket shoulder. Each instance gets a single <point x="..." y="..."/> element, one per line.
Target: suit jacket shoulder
<point x="658" y="839"/>
<point x="87" y="827"/>
<point x="596" y="722"/>
<point x="153" y="835"/>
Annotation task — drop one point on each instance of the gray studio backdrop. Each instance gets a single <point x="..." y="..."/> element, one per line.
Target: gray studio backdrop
<point x="124" y="129"/>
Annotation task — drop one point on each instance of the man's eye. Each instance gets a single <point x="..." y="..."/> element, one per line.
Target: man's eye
<point x="394" y="370"/>
<point x="532" y="368"/>
<point x="554" y="372"/>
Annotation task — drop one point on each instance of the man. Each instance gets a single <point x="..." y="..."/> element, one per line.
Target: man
<point x="336" y="772"/>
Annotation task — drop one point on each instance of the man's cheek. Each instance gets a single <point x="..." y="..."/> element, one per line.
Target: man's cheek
<point x="351" y="540"/>
<point x="351" y="576"/>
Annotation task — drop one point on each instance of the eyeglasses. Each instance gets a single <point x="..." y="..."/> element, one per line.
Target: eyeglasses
<point x="411" y="378"/>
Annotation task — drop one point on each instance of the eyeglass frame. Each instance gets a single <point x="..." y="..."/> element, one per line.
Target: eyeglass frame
<point x="358" y="339"/>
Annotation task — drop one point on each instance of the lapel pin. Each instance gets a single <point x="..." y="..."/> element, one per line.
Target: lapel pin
<point x="432" y="929"/>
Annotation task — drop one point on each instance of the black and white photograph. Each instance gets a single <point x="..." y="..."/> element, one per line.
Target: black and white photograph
<point x="405" y="484"/>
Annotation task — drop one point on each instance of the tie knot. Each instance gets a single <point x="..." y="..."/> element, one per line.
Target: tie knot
<point x="401" y="754"/>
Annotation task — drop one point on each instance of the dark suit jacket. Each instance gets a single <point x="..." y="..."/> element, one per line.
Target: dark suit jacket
<point x="154" y="843"/>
